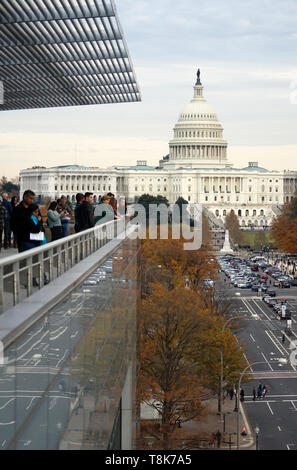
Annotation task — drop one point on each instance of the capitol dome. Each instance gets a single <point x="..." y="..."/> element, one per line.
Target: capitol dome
<point x="198" y="136"/>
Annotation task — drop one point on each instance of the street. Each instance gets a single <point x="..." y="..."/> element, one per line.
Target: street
<point x="275" y="415"/>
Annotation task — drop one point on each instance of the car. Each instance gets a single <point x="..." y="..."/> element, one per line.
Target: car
<point x="271" y="293"/>
<point x="293" y="282"/>
<point x="271" y="302"/>
<point x="277" y="283"/>
<point x="286" y="284"/>
<point x="244" y="285"/>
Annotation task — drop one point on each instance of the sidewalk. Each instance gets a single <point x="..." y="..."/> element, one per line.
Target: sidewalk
<point x="212" y="422"/>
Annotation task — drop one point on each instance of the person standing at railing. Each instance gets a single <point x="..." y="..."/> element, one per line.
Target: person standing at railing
<point x="104" y="212"/>
<point x="113" y="204"/>
<point x="3" y="215"/>
<point x="7" y="229"/>
<point x="20" y="221"/>
<point x="79" y="200"/>
<point x="67" y="214"/>
<point x="14" y="202"/>
<point x="35" y="223"/>
<point x="85" y="213"/>
<point x="54" y="221"/>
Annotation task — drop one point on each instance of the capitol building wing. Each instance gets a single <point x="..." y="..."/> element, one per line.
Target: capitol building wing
<point x="196" y="169"/>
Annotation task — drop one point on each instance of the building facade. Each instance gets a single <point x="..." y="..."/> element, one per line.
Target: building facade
<point x="197" y="169"/>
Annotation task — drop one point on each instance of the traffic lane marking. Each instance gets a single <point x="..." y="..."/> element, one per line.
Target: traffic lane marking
<point x="267" y="361"/>
<point x="252" y="337"/>
<point x="269" y="407"/>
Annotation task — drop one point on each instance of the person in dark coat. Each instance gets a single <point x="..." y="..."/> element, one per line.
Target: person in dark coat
<point x="20" y="222"/>
<point x="14" y="202"/>
<point x="241" y="395"/>
<point x="79" y="200"/>
<point x="231" y="393"/>
<point x="85" y="213"/>
<point x="3" y="215"/>
<point x="260" y="391"/>
<point x="218" y="437"/>
<point x="7" y="229"/>
<point x="254" y="394"/>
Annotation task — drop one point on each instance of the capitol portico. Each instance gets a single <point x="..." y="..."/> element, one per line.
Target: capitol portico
<point x="196" y="169"/>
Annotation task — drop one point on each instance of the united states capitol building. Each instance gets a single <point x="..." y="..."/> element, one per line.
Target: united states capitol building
<point x="197" y="169"/>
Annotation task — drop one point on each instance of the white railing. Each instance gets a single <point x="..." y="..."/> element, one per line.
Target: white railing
<point x="23" y="274"/>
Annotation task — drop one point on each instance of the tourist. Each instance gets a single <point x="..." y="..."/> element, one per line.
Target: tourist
<point x="20" y="220"/>
<point x="3" y="216"/>
<point x="104" y="212"/>
<point x="122" y="208"/>
<point x="85" y="213"/>
<point x="67" y="214"/>
<point x="35" y="223"/>
<point x="7" y="229"/>
<point x="54" y="221"/>
<point x="113" y="204"/>
<point x="14" y="202"/>
<point x="79" y="200"/>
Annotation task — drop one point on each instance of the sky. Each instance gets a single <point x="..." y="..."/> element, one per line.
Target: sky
<point x="246" y="51"/>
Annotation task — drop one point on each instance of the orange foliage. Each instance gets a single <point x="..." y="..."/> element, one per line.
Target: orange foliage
<point x="284" y="231"/>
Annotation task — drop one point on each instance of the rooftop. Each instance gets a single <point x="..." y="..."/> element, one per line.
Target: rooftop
<point x="63" y="53"/>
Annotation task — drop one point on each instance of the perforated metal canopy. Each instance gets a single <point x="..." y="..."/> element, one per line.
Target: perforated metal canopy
<point x="63" y="53"/>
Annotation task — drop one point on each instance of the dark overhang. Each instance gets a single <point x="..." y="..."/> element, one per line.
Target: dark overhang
<point x="63" y="53"/>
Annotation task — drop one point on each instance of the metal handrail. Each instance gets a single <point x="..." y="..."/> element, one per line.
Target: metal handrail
<point x="20" y="273"/>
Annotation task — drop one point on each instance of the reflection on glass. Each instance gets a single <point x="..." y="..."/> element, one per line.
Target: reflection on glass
<point x="62" y="385"/>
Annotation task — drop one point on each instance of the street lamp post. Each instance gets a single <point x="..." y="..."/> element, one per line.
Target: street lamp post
<point x="238" y="391"/>
<point x="257" y="431"/>
<point x="222" y="364"/>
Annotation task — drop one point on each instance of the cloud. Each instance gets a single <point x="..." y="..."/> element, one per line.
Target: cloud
<point x="247" y="55"/>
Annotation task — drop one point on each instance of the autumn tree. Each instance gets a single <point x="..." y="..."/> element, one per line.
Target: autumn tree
<point x="232" y="224"/>
<point x="212" y="342"/>
<point x="167" y="380"/>
<point x="284" y="228"/>
<point x="177" y="264"/>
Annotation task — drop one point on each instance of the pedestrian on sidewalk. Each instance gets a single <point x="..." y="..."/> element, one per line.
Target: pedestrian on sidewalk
<point x="259" y="391"/>
<point x="265" y="391"/>
<point x="218" y="437"/>
<point x="242" y="395"/>
<point x="231" y="393"/>
<point x="254" y="394"/>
